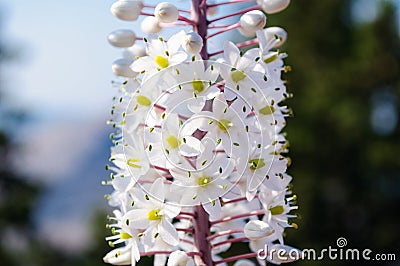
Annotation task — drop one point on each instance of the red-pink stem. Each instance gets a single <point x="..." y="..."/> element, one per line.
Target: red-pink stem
<point x="229" y="218"/>
<point x="229" y="2"/>
<point x="237" y="200"/>
<point x="182" y="217"/>
<point x="236" y="13"/>
<point x="159" y="168"/>
<point x="191" y="22"/>
<point x="187" y="230"/>
<point x="188" y="214"/>
<point x="234" y="26"/>
<point x="238" y="257"/>
<point x="150" y="253"/>
<point x="229" y="241"/>
<point x="186" y="241"/>
<point x="174" y="24"/>
<point x="223" y="233"/>
<point x="247" y="43"/>
<point x="239" y="45"/>
<point x="180" y="10"/>
<point x="180" y="18"/>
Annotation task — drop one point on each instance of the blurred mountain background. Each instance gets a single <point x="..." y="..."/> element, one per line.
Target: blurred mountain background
<point x="54" y="98"/>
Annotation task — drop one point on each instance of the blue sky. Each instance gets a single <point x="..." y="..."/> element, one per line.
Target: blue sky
<point x="65" y="66"/>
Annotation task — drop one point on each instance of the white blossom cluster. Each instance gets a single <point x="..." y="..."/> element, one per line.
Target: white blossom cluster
<point x="194" y="134"/>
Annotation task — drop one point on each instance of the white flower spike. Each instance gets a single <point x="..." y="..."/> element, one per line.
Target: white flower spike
<point x="198" y="157"/>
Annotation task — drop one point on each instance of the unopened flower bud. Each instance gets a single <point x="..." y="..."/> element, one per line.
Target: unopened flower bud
<point x="118" y="256"/>
<point x="211" y="11"/>
<point x="273" y="6"/>
<point x="256" y="229"/>
<point x="127" y="9"/>
<point x="150" y="25"/>
<point x="276" y="33"/>
<point x="122" y="38"/>
<point x="178" y="258"/>
<point x="244" y="263"/>
<point x="135" y="51"/>
<point x="166" y="12"/>
<point x="283" y="254"/>
<point x="251" y="22"/>
<point x="121" y="67"/>
<point x="192" y="43"/>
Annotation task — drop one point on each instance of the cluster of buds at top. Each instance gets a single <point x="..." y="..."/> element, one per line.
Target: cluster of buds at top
<point x="198" y="162"/>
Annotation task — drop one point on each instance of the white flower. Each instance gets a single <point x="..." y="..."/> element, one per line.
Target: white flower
<point x="127" y="9"/>
<point x="122" y="38"/>
<point x="224" y="125"/>
<point x="171" y="142"/>
<point x="154" y="215"/>
<point x="120" y="256"/>
<point x="121" y="67"/>
<point x="134" y="52"/>
<point x="150" y="25"/>
<point x="131" y="157"/>
<point x="241" y="72"/>
<point x="160" y="55"/>
<point x="141" y="107"/>
<point x="251" y="22"/>
<point x="256" y="229"/>
<point x="204" y="184"/>
<point x="271" y="37"/>
<point x="192" y="43"/>
<point x="179" y="258"/>
<point x="273" y="6"/>
<point x="166" y="12"/>
<point x="194" y="85"/>
<point x="123" y="234"/>
<point x="277" y="210"/>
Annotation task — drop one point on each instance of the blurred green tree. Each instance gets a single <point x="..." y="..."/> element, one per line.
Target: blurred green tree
<point x="347" y="172"/>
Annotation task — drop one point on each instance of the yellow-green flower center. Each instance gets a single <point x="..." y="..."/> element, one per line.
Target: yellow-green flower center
<point x="161" y="61"/>
<point x="198" y="85"/>
<point x="173" y="142"/>
<point x="237" y="76"/>
<point x="257" y="163"/>
<point x="224" y="124"/>
<point x="204" y="181"/>
<point x="154" y="215"/>
<point x="124" y="235"/>
<point x="132" y="162"/>
<point x="267" y="110"/>
<point x="270" y="59"/>
<point x="277" y="210"/>
<point x="143" y="100"/>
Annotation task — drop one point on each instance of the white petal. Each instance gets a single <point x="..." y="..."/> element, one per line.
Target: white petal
<point x="137" y="218"/>
<point x="231" y="54"/>
<point x="175" y="42"/>
<point x="213" y="210"/>
<point x="168" y="233"/>
<point x="157" y="190"/>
